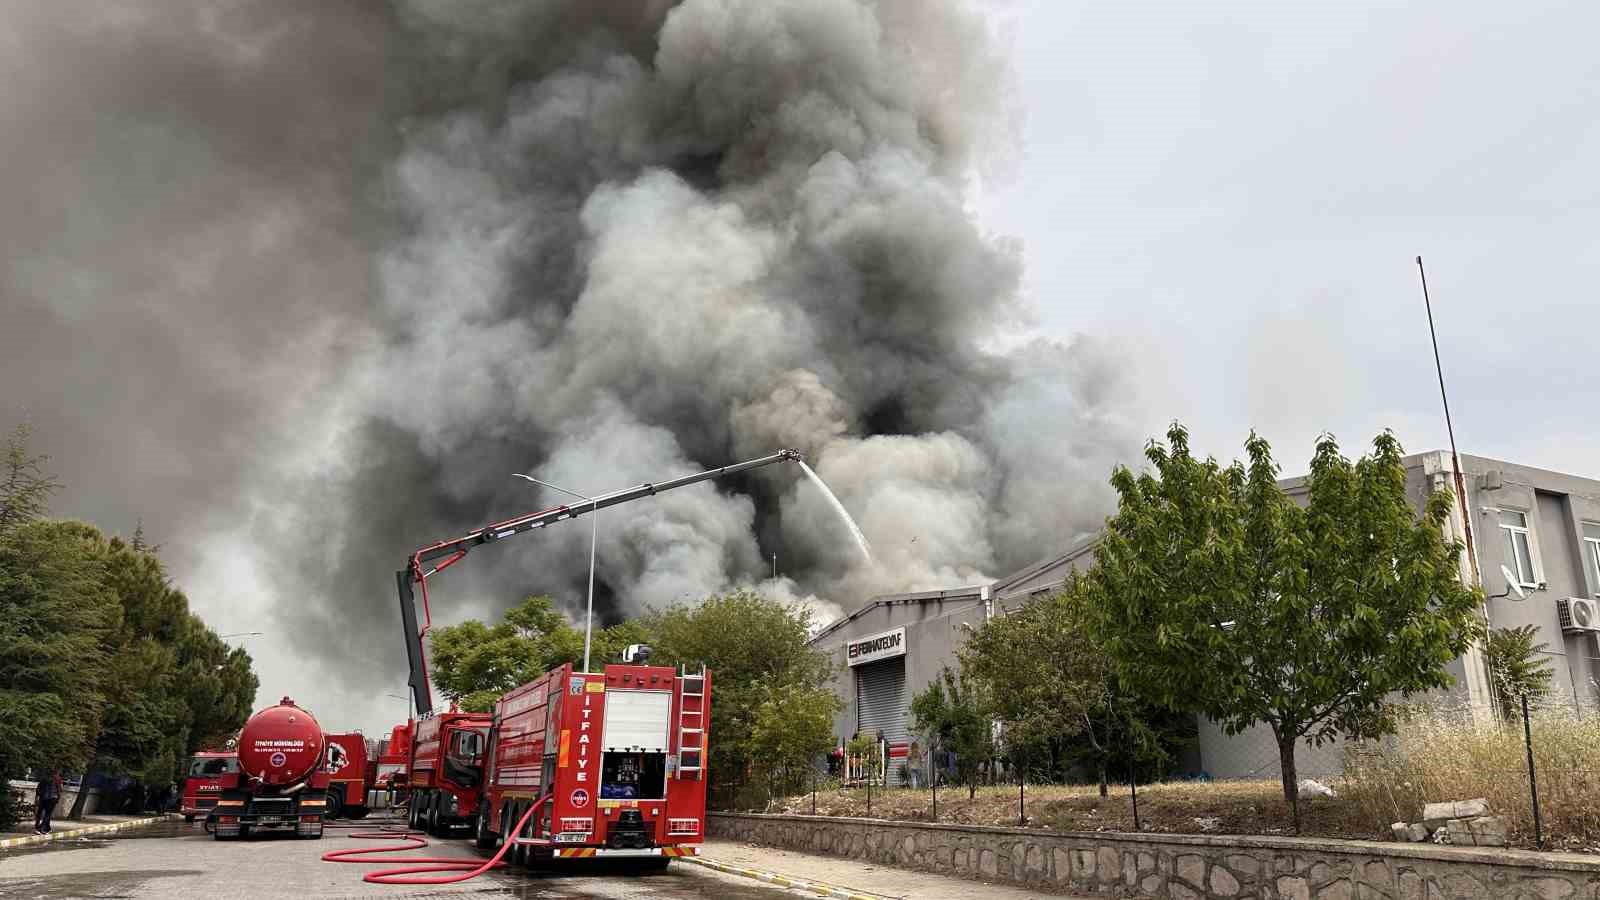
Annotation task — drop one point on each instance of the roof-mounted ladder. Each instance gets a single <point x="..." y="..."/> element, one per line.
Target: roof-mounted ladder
<point x="691" y="723"/>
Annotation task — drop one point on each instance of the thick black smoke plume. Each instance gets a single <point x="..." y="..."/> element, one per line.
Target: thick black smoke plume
<point x="303" y="284"/>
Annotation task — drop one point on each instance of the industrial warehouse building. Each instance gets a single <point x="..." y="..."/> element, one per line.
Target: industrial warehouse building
<point x="1542" y="526"/>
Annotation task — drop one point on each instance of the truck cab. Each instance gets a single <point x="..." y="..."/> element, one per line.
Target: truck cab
<point x="445" y="776"/>
<point x="206" y="776"/>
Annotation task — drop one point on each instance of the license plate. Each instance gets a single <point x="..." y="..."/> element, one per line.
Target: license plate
<point x="271" y="820"/>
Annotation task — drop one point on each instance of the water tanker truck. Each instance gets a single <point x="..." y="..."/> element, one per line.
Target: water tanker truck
<point x="282" y="781"/>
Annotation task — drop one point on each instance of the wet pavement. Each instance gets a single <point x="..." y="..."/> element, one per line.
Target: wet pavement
<point x="178" y="860"/>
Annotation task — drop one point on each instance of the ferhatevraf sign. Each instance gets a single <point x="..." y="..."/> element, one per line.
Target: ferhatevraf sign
<point x="876" y="646"/>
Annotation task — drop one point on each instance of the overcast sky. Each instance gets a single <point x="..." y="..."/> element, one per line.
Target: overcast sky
<point x="1239" y="190"/>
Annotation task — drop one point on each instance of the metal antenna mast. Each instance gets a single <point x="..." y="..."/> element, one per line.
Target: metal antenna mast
<point x="1455" y="458"/>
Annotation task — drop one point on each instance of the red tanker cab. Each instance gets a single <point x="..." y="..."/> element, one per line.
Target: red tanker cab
<point x="281" y="745"/>
<point x="208" y="774"/>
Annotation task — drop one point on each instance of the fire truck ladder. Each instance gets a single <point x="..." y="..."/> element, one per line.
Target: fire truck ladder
<point x="691" y="722"/>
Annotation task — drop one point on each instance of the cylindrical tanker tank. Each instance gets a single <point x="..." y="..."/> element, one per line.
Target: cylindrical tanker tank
<point x="281" y="745"/>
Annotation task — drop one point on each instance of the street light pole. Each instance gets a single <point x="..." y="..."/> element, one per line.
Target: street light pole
<point x="405" y="700"/>
<point x="594" y="540"/>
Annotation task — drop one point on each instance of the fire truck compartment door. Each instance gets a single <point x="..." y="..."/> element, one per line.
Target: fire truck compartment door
<point x="637" y="720"/>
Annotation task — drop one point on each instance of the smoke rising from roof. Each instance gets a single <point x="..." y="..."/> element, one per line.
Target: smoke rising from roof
<point x="329" y="274"/>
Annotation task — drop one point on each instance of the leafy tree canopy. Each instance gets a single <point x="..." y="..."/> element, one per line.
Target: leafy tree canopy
<point x="955" y="712"/>
<point x="1055" y="689"/>
<point x="101" y="662"/>
<point x="56" y="615"/>
<point x="473" y="663"/>
<point x="761" y="670"/>
<point x="1221" y="595"/>
<point x="25" y="486"/>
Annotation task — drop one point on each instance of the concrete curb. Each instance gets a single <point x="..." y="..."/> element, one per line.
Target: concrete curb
<point x="28" y="840"/>
<point x="816" y="887"/>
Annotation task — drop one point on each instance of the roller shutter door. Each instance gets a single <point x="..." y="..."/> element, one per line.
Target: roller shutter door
<point x="881" y="698"/>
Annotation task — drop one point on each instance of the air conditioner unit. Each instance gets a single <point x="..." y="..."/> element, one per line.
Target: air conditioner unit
<point x="1578" y="615"/>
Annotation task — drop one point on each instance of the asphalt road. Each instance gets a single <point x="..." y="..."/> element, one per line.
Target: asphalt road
<point x="180" y="861"/>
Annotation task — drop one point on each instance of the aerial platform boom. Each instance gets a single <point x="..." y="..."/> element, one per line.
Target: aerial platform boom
<point x="435" y="558"/>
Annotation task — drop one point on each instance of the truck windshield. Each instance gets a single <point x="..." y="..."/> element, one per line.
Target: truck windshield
<point x="203" y="767"/>
<point x="463" y="761"/>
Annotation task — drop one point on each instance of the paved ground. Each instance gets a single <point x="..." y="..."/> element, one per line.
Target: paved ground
<point x="180" y="861"/>
<point x="25" y="827"/>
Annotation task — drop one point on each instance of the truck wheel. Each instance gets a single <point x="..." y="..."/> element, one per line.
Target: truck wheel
<point x="414" y="811"/>
<point x="335" y="805"/>
<point x="357" y="812"/>
<point x="244" y="832"/>
<point x="485" y="839"/>
<point x="431" y="823"/>
<point x="519" y="853"/>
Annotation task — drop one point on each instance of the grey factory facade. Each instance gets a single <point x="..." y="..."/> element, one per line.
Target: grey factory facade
<point x="1542" y="526"/>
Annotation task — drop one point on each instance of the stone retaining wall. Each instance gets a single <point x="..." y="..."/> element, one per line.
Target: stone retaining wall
<point x="1180" y="867"/>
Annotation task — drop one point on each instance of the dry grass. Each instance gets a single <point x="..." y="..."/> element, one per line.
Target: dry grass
<point x="1445" y="757"/>
<point x="1434" y="757"/>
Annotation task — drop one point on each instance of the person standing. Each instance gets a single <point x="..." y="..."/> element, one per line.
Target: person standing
<point x="44" y="801"/>
<point x="914" y="764"/>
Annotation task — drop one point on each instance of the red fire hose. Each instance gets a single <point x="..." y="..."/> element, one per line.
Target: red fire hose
<point x="463" y="868"/>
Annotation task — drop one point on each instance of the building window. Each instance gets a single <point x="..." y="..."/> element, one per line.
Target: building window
<point x="1591" y="553"/>
<point x="1519" y="545"/>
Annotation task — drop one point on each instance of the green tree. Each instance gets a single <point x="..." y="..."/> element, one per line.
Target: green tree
<point x="1220" y="595"/>
<point x="56" y="612"/>
<point x="216" y="682"/>
<point x="761" y="666"/>
<point x="953" y="711"/>
<point x="144" y="730"/>
<point x="101" y="661"/>
<point x="1055" y="688"/>
<point x="25" y="486"/>
<point x="1517" y="666"/>
<point x="472" y="664"/>
<point x="792" y="724"/>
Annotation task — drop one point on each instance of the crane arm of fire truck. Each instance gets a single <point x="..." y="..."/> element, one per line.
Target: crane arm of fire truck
<point x="434" y="558"/>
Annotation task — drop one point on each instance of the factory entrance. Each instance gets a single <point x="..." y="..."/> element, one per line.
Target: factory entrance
<point x="881" y="699"/>
<point x="881" y="711"/>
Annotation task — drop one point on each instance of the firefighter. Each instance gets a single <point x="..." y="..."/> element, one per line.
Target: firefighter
<point x="44" y="801"/>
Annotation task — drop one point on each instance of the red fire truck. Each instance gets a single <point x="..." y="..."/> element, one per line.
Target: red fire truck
<point x="449" y="750"/>
<point x="394" y="762"/>
<point x="352" y="771"/>
<point x="207" y="773"/>
<point x="445" y="771"/>
<point x="619" y="756"/>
